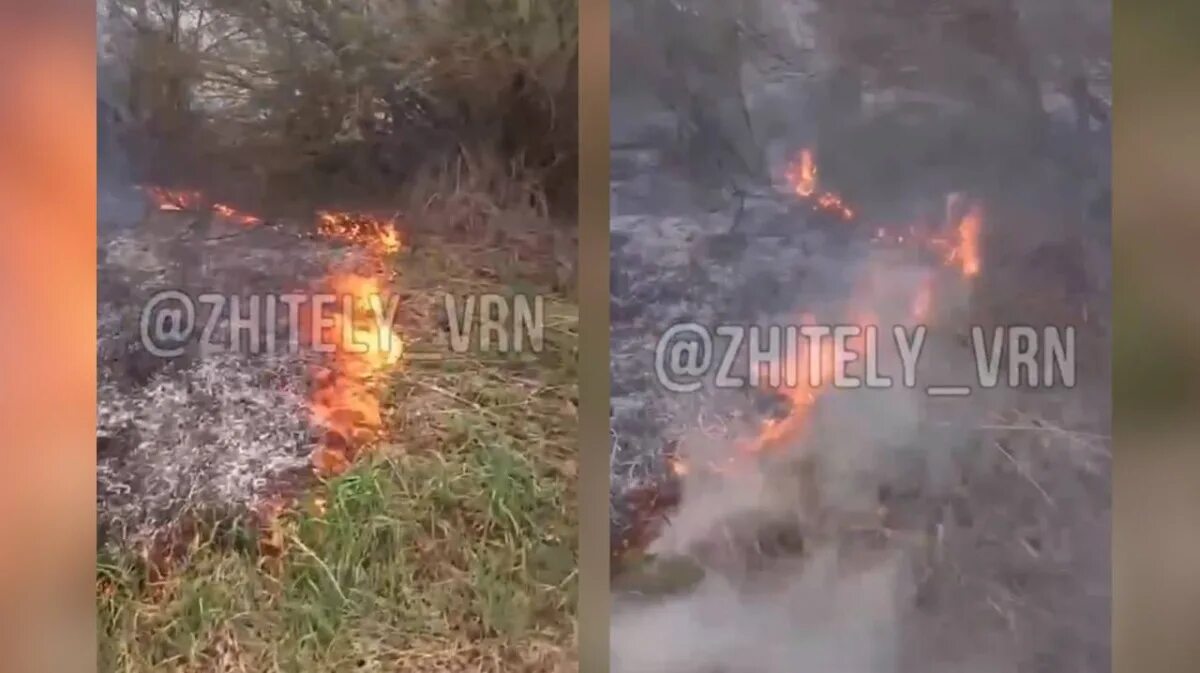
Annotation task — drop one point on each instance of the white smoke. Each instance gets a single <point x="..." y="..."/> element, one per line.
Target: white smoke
<point x="834" y="606"/>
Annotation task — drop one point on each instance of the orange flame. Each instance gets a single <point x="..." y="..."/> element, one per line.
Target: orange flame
<point x="968" y="234"/>
<point x="230" y="213"/>
<point x="176" y="200"/>
<point x="816" y="370"/>
<point x="344" y="398"/>
<point x="962" y="251"/>
<point x="173" y="199"/>
<point x="344" y="401"/>
<point x="801" y="175"/>
<point x="833" y="203"/>
<point x="813" y="371"/>
<point x="375" y="234"/>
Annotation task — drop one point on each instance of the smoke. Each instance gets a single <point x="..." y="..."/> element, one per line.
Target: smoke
<point x="811" y="621"/>
<point x="886" y="532"/>
<point x="783" y="586"/>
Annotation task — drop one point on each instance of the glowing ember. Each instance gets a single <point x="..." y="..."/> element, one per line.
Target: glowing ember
<point x="230" y="213"/>
<point x="679" y="467"/>
<point x="833" y="203"/>
<point x="173" y="199"/>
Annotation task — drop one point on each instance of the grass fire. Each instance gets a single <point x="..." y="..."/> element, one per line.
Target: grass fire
<point x="345" y="388"/>
<point x="927" y="170"/>
<point x="329" y="486"/>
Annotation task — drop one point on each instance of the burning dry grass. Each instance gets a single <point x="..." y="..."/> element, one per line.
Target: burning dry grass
<point x="881" y="520"/>
<point x="448" y="547"/>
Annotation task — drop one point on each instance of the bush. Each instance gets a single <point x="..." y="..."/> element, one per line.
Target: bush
<point x="285" y="97"/>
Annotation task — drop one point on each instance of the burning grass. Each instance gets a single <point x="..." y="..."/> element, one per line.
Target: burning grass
<point x="758" y="522"/>
<point x="801" y="175"/>
<point x="450" y="545"/>
<point x="952" y="248"/>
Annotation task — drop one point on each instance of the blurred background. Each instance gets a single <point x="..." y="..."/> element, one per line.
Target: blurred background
<point x="1156" y="542"/>
<point x="47" y="300"/>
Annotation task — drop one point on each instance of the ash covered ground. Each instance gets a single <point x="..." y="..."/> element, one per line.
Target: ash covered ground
<point x="205" y="432"/>
<point x="902" y="533"/>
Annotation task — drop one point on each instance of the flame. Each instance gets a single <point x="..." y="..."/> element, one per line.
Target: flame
<point x="815" y="370"/>
<point x="230" y="213"/>
<point x="679" y="467"/>
<point x="177" y="200"/>
<point x="364" y="230"/>
<point x="344" y="400"/>
<point x="801" y="175"/>
<point x="357" y="330"/>
<point x="814" y="373"/>
<point x="962" y="250"/>
<point x="173" y="199"/>
<point x="968" y="234"/>
<point x="833" y="203"/>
